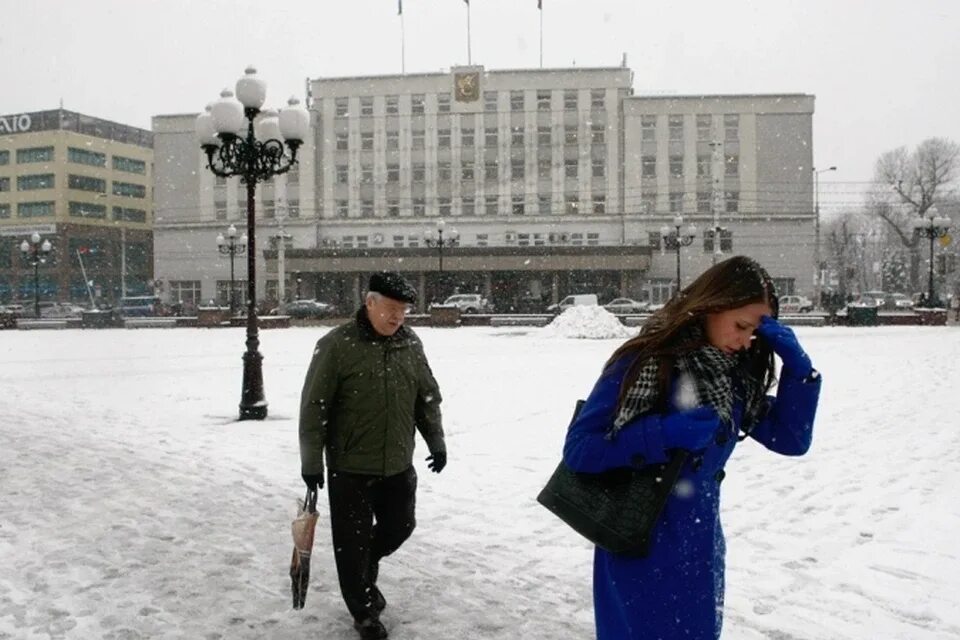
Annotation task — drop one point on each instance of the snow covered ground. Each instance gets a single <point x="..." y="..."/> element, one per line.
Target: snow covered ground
<point x="133" y="506"/>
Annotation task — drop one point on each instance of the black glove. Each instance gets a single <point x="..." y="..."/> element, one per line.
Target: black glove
<point x="313" y="481"/>
<point x="437" y="461"/>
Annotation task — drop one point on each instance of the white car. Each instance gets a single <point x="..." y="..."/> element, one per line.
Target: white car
<point x="469" y="303"/>
<point x="795" y="304"/>
<point x="626" y="305"/>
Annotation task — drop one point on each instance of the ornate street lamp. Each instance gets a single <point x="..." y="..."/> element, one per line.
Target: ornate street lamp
<point x="679" y="237"/>
<point x="932" y="227"/>
<point x="231" y="246"/>
<point x="238" y="143"/>
<point x="434" y="238"/>
<point x="36" y="253"/>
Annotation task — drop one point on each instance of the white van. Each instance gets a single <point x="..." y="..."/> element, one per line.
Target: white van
<point x="582" y="299"/>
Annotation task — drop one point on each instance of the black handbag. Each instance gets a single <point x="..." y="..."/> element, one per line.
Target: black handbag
<point x="615" y="510"/>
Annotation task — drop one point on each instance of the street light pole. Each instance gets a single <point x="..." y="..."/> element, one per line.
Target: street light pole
<point x="679" y="238"/>
<point x="35" y="253"/>
<point x="230" y="246"/>
<point x="267" y="150"/>
<point x="434" y="238"/>
<point x="931" y="227"/>
<point x="818" y="270"/>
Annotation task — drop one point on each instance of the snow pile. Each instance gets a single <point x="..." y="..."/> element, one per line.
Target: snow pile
<point x="587" y="321"/>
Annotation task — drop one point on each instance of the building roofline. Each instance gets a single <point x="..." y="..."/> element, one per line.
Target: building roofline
<point x="443" y="73"/>
<point x="716" y="96"/>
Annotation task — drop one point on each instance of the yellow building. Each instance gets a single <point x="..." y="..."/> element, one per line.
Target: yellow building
<point x="86" y="185"/>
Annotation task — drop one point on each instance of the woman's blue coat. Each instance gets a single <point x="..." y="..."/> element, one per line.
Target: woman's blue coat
<point x="677" y="590"/>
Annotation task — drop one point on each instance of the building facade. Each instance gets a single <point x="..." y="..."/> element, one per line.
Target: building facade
<point x="85" y="184"/>
<point x="552" y="181"/>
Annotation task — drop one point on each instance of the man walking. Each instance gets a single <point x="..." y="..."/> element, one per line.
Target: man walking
<point x="368" y="387"/>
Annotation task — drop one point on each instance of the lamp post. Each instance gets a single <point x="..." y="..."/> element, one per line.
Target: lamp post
<point x="818" y="268"/>
<point x="299" y="279"/>
<point x="231" y="246"/>
<point x="434" y="238"/>
<point x="36" y="253"/>
<point x="679" y="237"/>
<point x="238" y="143"/>
<point x="931" y="227"/>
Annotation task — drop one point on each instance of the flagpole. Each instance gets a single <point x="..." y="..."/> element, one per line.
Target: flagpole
<point x="403" y="47"/>
<point x="540" y="6"/>
<point x="469" y="59"/>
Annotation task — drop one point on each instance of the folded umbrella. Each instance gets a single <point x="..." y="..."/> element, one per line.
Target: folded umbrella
<point x="303" y="528"/>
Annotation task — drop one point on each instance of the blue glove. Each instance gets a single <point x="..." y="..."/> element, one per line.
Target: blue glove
<point x="784" y="343"/>
<point x="692" y="430"/>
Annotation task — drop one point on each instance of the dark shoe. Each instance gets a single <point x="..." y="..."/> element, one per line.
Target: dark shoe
<point x="377" y="602"/>
<point x="370" y="629"/>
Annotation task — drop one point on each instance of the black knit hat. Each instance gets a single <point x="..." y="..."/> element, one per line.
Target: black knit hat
<point x="392" y="285"/>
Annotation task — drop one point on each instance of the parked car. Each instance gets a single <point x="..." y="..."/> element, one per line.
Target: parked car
<point x="469" y="303"/>
<point x="626" y="305"/>
<point x="305" y="309"/>
<point x="581" y="299"/>
<point x="61" y="310"/>
<point x="795" y="304"/>
<point x="140" y="306"/>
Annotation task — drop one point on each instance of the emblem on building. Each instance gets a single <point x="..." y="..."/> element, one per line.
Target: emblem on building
<point x="466" y="86"/>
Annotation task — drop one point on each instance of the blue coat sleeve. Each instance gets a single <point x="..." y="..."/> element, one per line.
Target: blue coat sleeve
<point x="587" y="448"/>
<point x="788" y="426"/>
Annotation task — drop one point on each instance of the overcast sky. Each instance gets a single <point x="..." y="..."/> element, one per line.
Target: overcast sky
<point x="884" y="73"/>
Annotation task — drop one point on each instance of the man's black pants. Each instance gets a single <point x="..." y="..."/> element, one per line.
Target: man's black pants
<point x="359" y="544"/>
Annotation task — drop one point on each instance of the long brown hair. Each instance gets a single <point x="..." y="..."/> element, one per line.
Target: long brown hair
<point x="733" y="283"/>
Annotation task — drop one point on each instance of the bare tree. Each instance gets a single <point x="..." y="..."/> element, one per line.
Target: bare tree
<point x="847" y="240"/>
<point x="913" y="182"/>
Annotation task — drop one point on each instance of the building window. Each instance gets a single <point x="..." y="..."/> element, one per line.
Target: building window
<point x="676" y="166"/>
<point x="648" y="202"/>
<point x="444" y="171"/>
<point x="731" y="126"/>
<point x="704" y="124"/>
<point x="483" y="239"/>
<point x="675" y="124"/>
<point x="490" y="137"/>
<point x="125" y="214"/>
<point x="366" y="141"/>
<point x="293" y="208"/>
<point x="593" y="239"/>
<point x="86" y="183"/>
<point x="491" y="205"/>
<point x="366" y="174"/>
<point x="393" y="209"/>
<point x="516" y="101"/>
<point x="347" y="242"/>
<point x="733" y="201"/>
<point x="598" y="134"/>
<point x="523" y="239"/>
<point x="676" y="202"/>
<point x="413" y="242"/>
<point x="4" y="157"/>
<point x="543" y="100"/>
<point x="444" y="206"/>
<point x="543" y="204"/>
<point x="571" y="167"/>
<point x="83" y="156"/>
<point x="489" y="100"/>
<point x="219" y="210"/>
<point x="599" y="168"/>
<point x="393" y="140"/>
<point x="392" y="105"/>
<point x="704" y="166"/>
<point x="130" y="165"/>
<point x="86" y="210"/>
<point x="419" y="173"/>
<point x="597" y="99"/>
<point x="4" y="184"/>
<point x="517" y="171"/>
<point x="341" y="107"/>
<point x="417" y="102"/>
<point x="600" y="204"/>
<point x="366" y="208"/>
<point x="419" y="207"/>
<point x="34" y="182"/>
<point x="343" y="208"/>
<point x="570" y="100"/>
<point x="654" y="239"/>
<point x="703" y="202"/>
<point x="343" y="174"/>
<point x="544" y="136"/>
<point x="366" y="106"/>
<point x="35" y="209"/>
<point x="572" y="202"/>
<point x="4" y="213"/>
<point x="466" y="138"/>
<point x="576" y="239"/>
<point x="543" y="167"/>
<point x="443" y="138"/>
<point x="417" y="139"/>
<point x="343" y="141"/>
<point x="516" y="136"/>
<point x="517" y="205"/>
<point x="570" y="134"/>
<point x="398" y="242"/>
<point x="491" y="171"/>
<point x="186" y="292"/>
<point x="466" y="170"/>
<point x="293" y="176"/>
<point x="732" y="165"/>
<point x="393" y="173"/>
<point x="468" y="206"/>
<point x="648" y="128"/>
<point x="269" y="209"/>
<point x="726" y="240"/>
<point x="35" y="154"/>
<point x="443" y="103"/>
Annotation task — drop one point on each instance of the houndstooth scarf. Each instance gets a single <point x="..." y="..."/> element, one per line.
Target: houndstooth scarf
<point x="705" y="376"/>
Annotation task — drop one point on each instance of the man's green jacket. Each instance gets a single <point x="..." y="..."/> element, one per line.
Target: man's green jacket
<point x="362" y="399"/>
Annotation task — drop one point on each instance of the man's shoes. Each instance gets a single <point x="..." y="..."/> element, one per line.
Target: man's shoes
<point x="377" y="602"/>
<point x="370" y="629"/>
